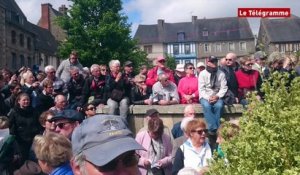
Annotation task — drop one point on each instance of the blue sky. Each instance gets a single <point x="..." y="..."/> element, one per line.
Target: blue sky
<point x="149" y="11"/>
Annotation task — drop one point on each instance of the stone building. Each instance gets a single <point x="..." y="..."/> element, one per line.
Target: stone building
<point x="21" y="41"/>
<point x="195" y="40"/>
<point x="281" y="35"/>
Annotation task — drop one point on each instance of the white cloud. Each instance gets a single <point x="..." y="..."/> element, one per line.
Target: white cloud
<point x="32" y="8"/>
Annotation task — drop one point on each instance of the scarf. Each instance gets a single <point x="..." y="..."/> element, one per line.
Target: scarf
<point x="213" y="75"/>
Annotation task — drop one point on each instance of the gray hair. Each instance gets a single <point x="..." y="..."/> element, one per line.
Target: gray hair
<point x="49" y="68"/>
<point x="114" y="62"/>
<point x="58" y="97"/>
<point x="74" y="68"/>
<point x="79" y="160"/>
<point x="94" y="66"/>
<point x="187" y="171"/>
<point x="163" y="76"/>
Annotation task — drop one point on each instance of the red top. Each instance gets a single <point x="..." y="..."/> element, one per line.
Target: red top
<point x="246" y="82"/>
<point x="152" y="76"/>
<point x="188" y="86"/>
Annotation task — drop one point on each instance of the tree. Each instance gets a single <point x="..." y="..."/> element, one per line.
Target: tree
<point x="99" y="32"/>
<point x="268" y="142"/>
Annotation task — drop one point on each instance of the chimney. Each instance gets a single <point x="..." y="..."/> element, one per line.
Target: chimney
<point x="160" y="23"/>
<point x="45" y="19"/>
<point x="194" y="19"/>
<point x="63" y="9"/>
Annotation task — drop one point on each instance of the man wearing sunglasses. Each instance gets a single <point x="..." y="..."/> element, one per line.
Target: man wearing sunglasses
<point x="103" y="145"/>
<point x="66" y="121"/>
<point x="152" y="76"/>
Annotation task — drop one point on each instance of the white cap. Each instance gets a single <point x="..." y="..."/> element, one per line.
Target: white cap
<point x="200" y="64"/>
<point x="179" y="67"/>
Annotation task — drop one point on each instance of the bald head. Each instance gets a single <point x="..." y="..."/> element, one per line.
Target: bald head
<point x="230" y="59"/>
<point x="189" y="111"/>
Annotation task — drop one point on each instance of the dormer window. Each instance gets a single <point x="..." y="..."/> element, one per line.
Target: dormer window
<point x="205" y="32"/>
<point x="180" y="36"/>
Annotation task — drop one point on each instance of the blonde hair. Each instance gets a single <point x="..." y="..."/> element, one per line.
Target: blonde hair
<point x="194" y="124"/>
<point x="53" y="148"/>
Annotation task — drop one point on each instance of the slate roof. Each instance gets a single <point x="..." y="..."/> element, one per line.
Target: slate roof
<point x="282" y="30"/>
<point x="219" y="29"/>
<point x="44" y="41"/>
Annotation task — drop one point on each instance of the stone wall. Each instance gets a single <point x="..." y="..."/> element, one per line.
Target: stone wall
<point x="171" y="114"/>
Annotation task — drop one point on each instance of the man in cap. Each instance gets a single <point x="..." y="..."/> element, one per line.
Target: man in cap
<point x="103" y="145"/>
<point x="200" y="67"/>
<point x="212" y="86"/>
<point x="128" y="76"/>
<point x="152" y="76"/>
<point x="66" y="121"/>
<point x="179" y="73"/>
<point x="153" y="113"/>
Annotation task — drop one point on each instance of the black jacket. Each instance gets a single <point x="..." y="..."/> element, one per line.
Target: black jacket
<point x="137" y="97"/>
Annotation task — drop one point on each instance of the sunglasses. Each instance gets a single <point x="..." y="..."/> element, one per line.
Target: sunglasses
<point x="61" y="125"/>
<point x="92" y="108"/>
<point x="201" y="131"/>
<point x="128" y="159"/>
<point x="162" y="61"/>
<point x="250" y="64"/>
<point x="192" y="68"/>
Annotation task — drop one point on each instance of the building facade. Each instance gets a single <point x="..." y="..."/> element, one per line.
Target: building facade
<point x="279" y="35"/>
<point x="23" y="43"/>
<point x="193" y="41"/>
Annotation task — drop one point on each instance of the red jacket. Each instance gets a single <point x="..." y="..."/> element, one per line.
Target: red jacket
<point x="152" y="76"/>
<point x="247" y="82"/>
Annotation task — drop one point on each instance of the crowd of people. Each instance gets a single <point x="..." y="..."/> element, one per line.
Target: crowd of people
<point x="47" y="114"/>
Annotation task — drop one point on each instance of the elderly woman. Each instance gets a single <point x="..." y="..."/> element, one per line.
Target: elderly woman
<point x="53" y="152"/>
<point x="248" y="80"/>
<point x="119" y="95"/>
<point x="140" y="92"/>
<point x="157" y="158"/>
<point x="31" y="87"/>
<point x="188" y="86"/>
<point x="195" y="151"/>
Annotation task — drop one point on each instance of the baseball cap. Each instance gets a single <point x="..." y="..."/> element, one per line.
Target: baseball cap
<point x="212" y="59"/>
<point x="104" y="135"/>
<point x="150" y="112"/>
<point x="179" y="67"/>
<point x="200" y="64"/>
<point x="67" y="114"/>
<point x="128" y="63"/>
<point x="159" y="58"/>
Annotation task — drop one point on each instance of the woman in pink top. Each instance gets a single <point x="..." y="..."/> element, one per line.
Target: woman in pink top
<point x="188" y="86"/>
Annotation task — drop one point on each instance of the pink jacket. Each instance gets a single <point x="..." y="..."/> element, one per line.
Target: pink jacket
<point x="152" y="76"/>
<point x="144" y="139"/>
<point x="188" y="86"/>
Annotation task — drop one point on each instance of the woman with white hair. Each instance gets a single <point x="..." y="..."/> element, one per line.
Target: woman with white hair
<point x="119" y="98"/>
<point x="31" y="87"/>
<point x="59" y="85"/>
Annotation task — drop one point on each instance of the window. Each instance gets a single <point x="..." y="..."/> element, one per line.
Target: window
<point x="242" y="46"/>
<point x="148" y="49"/>
<point x="180" y="36"/>
<point x="22" y="60"/>
<point x="175" y="49"/>
<point x="206" y="47"/>
<point x="28" y="43"/>
<point x="21" y="40"/>
<point x="218" y="47"/>
<point x="205" y="33"/>
<point x="14" y="60"/>
<point x="13" y="37"/>
<point x="187" y="49"/>
<point x="231" y="46"/>
<point x="29" y="61"/>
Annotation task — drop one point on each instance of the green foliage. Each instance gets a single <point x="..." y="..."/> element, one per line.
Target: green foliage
<point x="99" y="32"/>
<point x="268" y="142"/>
<point x="170" y="62"/>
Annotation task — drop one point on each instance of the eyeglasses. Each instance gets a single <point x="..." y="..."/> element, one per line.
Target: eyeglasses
<point x="201" y="131"/>
<point x="228" y="59"/>
<point x="61" y="125"/>
<point x="92" y="108"/>
<point x="192" y="68"/>
<point x="128" y="159"/>
<point x="162" y="61"/>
